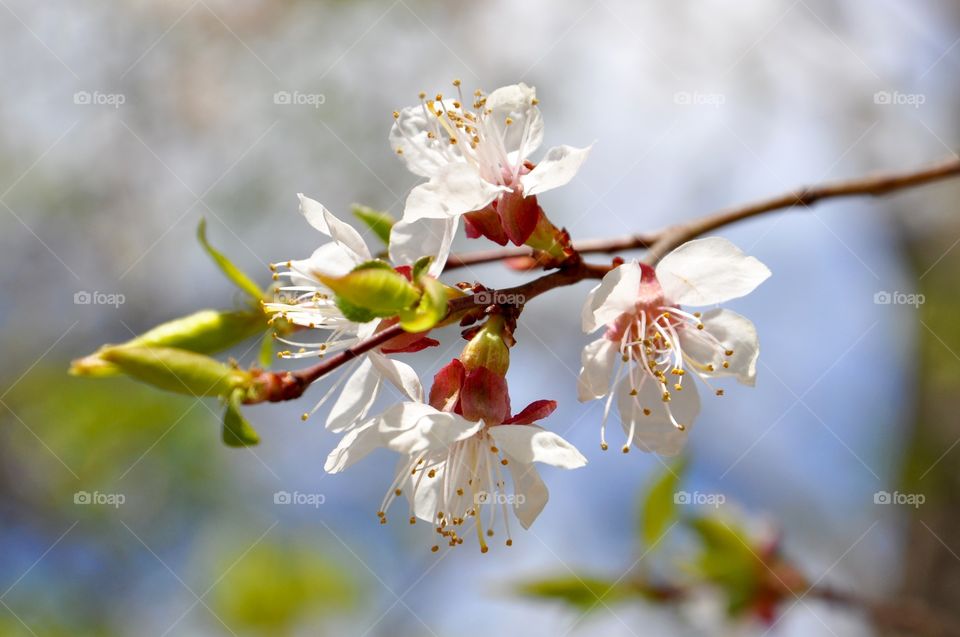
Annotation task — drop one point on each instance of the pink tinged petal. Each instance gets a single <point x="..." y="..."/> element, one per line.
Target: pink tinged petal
<point x="599" y="359"/>
<point x="537" y="410"/>
<point x="531" y="443"/>
<point x="402" y="376"/>
<point x="327" y="223"/>
<point x="456" y="190"/>
<point x="485" y="223"/>
<point x="616" y="294"/>
<point x="485" y="397"/>
<point x="709" y="271"/>
<point x="736" y="333"/>
<point x="354" y="402"/>
<point x="655" y="432"/>
<point x="525" y="134"/>
<point x="556" y="169"/>
<point x="530" y="491"/>
<point x="410" y="240"/>
<point x="518" y="215"/>
<point x="445" y="392"/>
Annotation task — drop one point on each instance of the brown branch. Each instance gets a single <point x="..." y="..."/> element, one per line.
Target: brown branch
<point x="279" y="386"/>
<point x="660" y="242"/>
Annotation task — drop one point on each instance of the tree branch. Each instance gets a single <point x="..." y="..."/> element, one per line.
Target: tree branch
<point x="660" y="242"/>
<point x="279" y="386"/>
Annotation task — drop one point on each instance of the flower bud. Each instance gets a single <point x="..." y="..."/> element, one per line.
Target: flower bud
<point x="204" y="332"/>
<point x="487" y="348"/>
<point x="177" y="370"/>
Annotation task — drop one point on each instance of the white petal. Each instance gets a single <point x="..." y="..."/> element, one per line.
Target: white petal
<point x="616" y="294"/>
<point x="708" y="271"/>
<point x="410" y="134"/>
<point x="410" y="240"/>
<point x="596" y="375"/>
<point x="736" y="333"/>
<point x="327" y="223"/>
<point x="517" y="103"/>
<point x="400" y="374"/>
<point x="330" y="259"/>
<point x="530" y="443"/>
<point x="457" y="189"/>
<point x="530" y="492"/>
<point x="655" y="432"/>
<point x="408" y="428"/>
<point x="354" y="402"/>
<point x="556" y="169"/>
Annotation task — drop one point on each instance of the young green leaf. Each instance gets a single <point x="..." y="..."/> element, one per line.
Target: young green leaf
<point x="659" y="507"/>
<point x="380" y="291"/>
<point x="237" y="432"/>
<point x="430" y="310"/>
<point x="580" y="591"/>
<point x="380" y="222"/>
<point x="177" y="370"/>
<point x="232" y="272"/>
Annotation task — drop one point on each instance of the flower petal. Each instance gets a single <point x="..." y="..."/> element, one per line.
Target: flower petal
<point x="556" y="169"/>
<point x="354" y="402"/>
<point x="617" y="293"/>
<point x="525" y="134"/>
<point x="330" y="259"/>
<point x="531" y="443"/>
<point x="455" y="190"/>
<point x="340" y="231"/>
<point x="410" y="240"/>
<point x="708" y="271"/>
<point x="736" y="333"/>
<point x="654" y="431"/>
<point x="410" y="135"/>
<point x="402" y="376"/>
<point x="596" y="375"/>
<point x="530" y="492"/>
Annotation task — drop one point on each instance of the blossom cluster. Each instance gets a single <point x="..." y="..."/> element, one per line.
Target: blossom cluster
<point x="459" y="441"/>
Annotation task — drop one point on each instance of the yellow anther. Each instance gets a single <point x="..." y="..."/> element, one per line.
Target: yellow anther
<point x="719" y="392"/>
<point x="603" y="446"/>
<point x="396" y="114"/>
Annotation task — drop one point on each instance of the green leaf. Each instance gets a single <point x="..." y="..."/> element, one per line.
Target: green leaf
<point x="237" y="432"/>
<point x="352" y="312"/>
<point x="177" y="370"/>
<point x="380" y="222"/>
<point x="420" y="268"/>
<point x="236" y="276"/>
<point x="659" y="508"/>
<point x="727" y="560"/>
<point x="430" y="310"/>
<point x="265" y="355"/>
<point x="581" y="592"/>
<point x="380" y="290"/>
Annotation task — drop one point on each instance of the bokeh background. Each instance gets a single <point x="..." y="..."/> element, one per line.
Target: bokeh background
<point x="693" y="106"/>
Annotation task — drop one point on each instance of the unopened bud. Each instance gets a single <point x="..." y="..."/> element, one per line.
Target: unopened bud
<point x="487" y="348"/>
